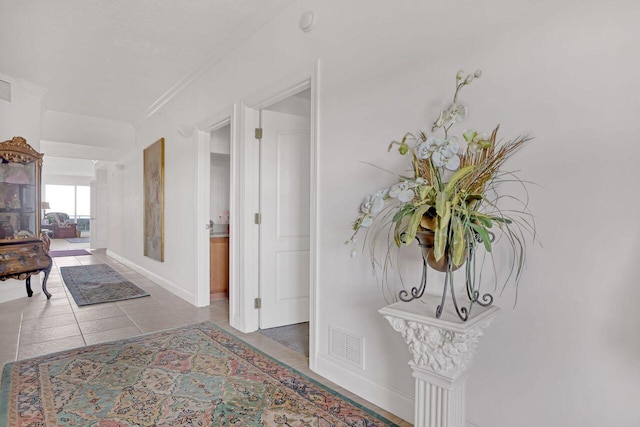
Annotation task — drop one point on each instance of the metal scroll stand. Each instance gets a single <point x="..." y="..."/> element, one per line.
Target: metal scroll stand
<point x="473" y="294"/>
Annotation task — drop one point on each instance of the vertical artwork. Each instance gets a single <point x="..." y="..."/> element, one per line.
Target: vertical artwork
<point x="154" y="200"/>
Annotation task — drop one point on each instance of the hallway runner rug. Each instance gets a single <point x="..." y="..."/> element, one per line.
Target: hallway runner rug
<point x="197" y="375"/>
<point x="68" y="252"/>
<point x="98" y="283"/>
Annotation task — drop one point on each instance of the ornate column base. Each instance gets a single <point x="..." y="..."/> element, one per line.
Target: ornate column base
<point x="442" y="351"/>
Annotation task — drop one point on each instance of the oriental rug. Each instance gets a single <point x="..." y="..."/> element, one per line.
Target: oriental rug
<point x="98" y="283"/>
<point x="196" y="375"/>
<point x="68" y="252"/>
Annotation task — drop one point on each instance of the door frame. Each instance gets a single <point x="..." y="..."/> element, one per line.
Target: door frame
<point x="94" y="187"/>
<point x="243" y="233"/>
<point x="288" y="86"/>
<point x="203" y="202"/>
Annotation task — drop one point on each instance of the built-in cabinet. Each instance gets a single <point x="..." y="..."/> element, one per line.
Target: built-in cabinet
<point x="219" y="267"/>
<point x="23" y="251"/>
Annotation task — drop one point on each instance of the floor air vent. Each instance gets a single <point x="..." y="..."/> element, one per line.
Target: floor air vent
<point x="346" y="346"/>
<point x="5" y="90"/>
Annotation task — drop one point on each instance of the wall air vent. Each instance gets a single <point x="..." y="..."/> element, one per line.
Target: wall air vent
<point x="346" y="346"/>
<point x="5" y="90"/>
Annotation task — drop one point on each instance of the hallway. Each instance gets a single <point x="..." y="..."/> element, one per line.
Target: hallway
<point x="35" y="326"/>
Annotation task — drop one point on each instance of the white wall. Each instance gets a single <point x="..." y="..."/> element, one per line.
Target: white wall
<point x="221" y="140"/>
<point x="83" y="137"/>
<point x="220" y="172"/>
<point x="66" y="171"/>
<point x="565" y="72"/>
<point x="220" y="186"/>
<point x="20" y="117"/>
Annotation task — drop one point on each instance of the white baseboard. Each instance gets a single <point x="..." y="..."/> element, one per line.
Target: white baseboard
<point x="386" y="398"/>
<point x="171" y="287"/>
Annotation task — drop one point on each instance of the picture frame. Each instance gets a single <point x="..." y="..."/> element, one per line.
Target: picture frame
<point x="153" y="182"/>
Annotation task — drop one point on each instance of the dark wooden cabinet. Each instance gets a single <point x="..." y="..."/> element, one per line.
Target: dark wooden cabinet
<point x="23" y="250"/>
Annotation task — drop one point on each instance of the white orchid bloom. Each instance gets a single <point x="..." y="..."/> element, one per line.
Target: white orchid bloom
<point x="476" y="140"/>
<point x="434" y="144"/>
<point x="366" y="222"/>
<point x="457" y="112"/>
<point x="451" y="146"/>
<point x="373" y="203"/>
<point x="423" y="151"/>
<point x="445" y="153"/>
<point x="450" y="163"/>
<point x="441" y="120"/>
<point x="403" y="191"/>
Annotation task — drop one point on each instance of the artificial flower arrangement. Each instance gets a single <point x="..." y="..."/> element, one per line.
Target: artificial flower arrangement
<point x="450" y="202"/>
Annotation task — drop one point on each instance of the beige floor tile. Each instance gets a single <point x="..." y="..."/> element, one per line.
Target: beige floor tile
<point x="48" y="321"/>
<point x="47" y="311"/>
<point x="112" y="335"/>
<point x="101" y="325"/>
<point x="205" y="314"/>
<point x="147" y="325"/>
<point x="12" y="317"/>
<point x="41" y="301"/>
<point x="143" y="304"/>
<point x="92" y="307"/>
<point x="6" y="357"/>
<point x="99" y="312"/>
<point x="13" y="306"/>
<point x="48" y="334"/>
<point x="40" y="348"/>
<point x="9" y="343"/>
<point x="66" y="262"/>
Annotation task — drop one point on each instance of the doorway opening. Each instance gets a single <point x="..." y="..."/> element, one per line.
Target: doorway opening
<point x="219" y="212"/>
<point x="285" y="220"/>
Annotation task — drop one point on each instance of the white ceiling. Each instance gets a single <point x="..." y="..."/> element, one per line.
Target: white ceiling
<point x="114" y="59"/>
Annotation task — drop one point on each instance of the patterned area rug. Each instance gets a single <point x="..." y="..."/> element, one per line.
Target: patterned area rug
<point x="98" y="283"/>
<point x="68" y="252"/>
<point x="197" y="375"/>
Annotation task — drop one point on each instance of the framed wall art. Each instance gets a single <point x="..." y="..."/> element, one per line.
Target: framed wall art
<point x="153" y="171"/>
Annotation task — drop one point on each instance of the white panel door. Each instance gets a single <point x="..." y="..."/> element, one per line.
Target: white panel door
<point x="284" y="231"/>
<point x="99" y="211"/>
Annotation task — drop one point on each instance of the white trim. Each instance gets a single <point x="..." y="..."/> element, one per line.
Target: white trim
<point x="387" y="398"/>
<point x="171" y="287"/>
<point x="202" y="216"/>
<point x="245" y="203"/>
<point x="314" y="222"/>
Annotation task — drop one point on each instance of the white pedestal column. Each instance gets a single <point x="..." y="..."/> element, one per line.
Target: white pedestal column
<point x="442" y="351"/>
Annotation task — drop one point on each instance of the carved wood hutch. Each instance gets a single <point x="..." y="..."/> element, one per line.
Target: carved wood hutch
<point x="23" y="250"/>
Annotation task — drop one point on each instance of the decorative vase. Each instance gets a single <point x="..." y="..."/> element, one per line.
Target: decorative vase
<point x="426" y="240"/>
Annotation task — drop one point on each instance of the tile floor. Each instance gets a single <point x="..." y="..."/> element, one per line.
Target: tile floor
<point x="35" y="326"/>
